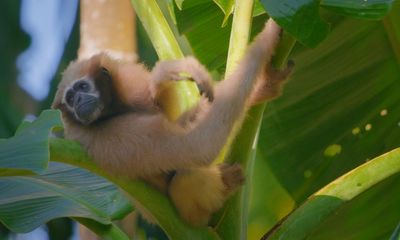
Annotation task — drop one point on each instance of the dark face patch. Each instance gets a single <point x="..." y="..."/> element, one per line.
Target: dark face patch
<point x="84" y="102"/>
<point x="112" y="105"/>
<point x="86" y="107"/>
<point x="103" y="82"/>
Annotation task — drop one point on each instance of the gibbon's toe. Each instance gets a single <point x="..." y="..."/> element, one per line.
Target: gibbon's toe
<point x="276" y="76"/>
<point x="232" y="176"/>
<point x="206" y="90"/>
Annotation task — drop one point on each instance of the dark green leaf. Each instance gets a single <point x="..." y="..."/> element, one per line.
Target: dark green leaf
<point x="62" y="191"/>
<point x="300" y="18"/>
<point x="343" y="96"/>
<point x="370" y="9"/>
<point x="344" y="93"/>
<point x="29" y="148"/>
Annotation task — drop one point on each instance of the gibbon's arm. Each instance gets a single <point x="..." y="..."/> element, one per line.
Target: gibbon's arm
<point x="204" y="141"/>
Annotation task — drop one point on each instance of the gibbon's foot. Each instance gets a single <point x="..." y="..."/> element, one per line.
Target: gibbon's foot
<point x="232" y="177"/>
<point x="270" y="82"/>
<point x="276" y="76"/>
<point x="199" y="192"/>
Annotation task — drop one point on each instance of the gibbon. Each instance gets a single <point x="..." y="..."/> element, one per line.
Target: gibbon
<point x="111" y="108"/>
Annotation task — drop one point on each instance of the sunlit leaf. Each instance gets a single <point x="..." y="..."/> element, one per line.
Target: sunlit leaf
<point x="357" y="195"/>
<point x="269" y="201"/>
<point x="179" y="3"/>
<point x="352" y="221"/>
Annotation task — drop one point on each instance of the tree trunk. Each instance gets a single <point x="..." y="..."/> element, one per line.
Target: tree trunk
<point x="109" y="26"/>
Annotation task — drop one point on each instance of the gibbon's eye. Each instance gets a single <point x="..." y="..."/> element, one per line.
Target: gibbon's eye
<point x="105" y="72"/>
<point x="69" y="97"/>
<point x="81" y="86"/>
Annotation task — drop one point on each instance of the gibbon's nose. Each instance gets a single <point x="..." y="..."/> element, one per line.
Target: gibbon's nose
<point x="78" y="99"/>
<point x="82" y="98"/>
<point x="85" y="105"/>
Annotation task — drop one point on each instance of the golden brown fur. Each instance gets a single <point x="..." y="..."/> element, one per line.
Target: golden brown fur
<point x="131" y="136"/>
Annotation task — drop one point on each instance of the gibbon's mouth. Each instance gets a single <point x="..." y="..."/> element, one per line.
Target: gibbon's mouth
<point x="86" y="108"/>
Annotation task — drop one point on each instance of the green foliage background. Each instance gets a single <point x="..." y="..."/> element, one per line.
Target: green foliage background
<point x="339" y="111"/>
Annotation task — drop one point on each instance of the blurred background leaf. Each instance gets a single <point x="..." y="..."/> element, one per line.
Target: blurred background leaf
<point x="15" y="103"/>
<point x="12" y="41"/>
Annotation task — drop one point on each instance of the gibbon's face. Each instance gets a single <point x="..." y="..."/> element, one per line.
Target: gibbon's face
<point x="86" y="93"/>
<point x="84" y="99"/>
<point x="92" y="90"/>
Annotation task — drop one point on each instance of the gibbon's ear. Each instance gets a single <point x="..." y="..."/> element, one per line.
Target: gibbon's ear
<point x="57" y="101"/>
<point x="58" y="98"/>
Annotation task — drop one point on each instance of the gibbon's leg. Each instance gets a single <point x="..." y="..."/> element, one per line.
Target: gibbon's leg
<point x="199" y="192"/>
<point x="176" y="70"/>
<point x="269" y="84"/>
<point x="159" y="181"/>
